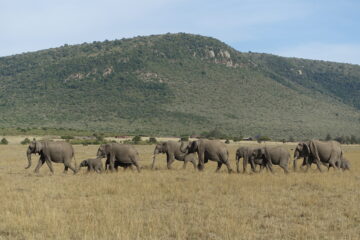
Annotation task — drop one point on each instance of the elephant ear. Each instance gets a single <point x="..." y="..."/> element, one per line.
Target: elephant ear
<point x="194" y="146"/>
<point x="313" y="150"/>
<point x="306" y="148"/>
<point x="164" y="147"/>
<point x="38" y="146"/>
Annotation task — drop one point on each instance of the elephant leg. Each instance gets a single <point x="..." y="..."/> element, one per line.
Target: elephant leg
<point x="48" y="162"/>
<point x="201" y="161"/>
<point x="245" y="162"/>
<point x="269" y="166"/>
<point x="253" y="167"/>
<point x="40" y="163"/>
<point x="285" y="168"/>
<point x="184" y="165"/>
<point x="68" y="165"/>
<point x="169" y="161"/>
<point x="317" y="161"/>
<point x="237" y="165"/>
<point x="261" y="168"/>
<point x="228" y="167"/>
<point x="137" y="165"/>
<point x="65" y="169"/>
<point x="189" y="159"/>
<point x="112" y="162"/>
<point x="218" y="166"/>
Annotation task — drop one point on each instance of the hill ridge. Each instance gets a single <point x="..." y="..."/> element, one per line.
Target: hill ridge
<point x="178" y="84"/>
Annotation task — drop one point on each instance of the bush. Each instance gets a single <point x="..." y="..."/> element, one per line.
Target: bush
<point x="67" y="137"/>
<point x="136" y="139"/>
<point x="25" y="141"/>
<point x="262" y="139"/>
<point x="237" y="139"/>
<point x="152" y="140"/>
<point x="184" y="138"/>
<point x="227" y="141"/>
<point x="4" y="141"/>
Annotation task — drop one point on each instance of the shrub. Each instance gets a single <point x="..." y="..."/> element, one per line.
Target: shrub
<point x="25" y="141"/>
<point x="184" y="138"/>
<point x="4" y="141"/>
<point x="152" y="140"/>
<point x="67" y="137"/>
<point x="227" y="141"/>
<point x="136" y="139"/>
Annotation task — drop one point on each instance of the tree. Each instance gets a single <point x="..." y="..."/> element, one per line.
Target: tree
<point x="328" y="137"/>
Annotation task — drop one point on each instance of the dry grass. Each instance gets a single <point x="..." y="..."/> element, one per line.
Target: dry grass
<point x="176" y="204"/>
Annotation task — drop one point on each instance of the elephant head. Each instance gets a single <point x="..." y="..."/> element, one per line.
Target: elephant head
<point x="34" y="147"/>
<point x="191" y="147"/>
<point x="84" y="164"/>
<point x="345" y="164"/>
<point x="159" y="148"/>
<point x="103" y="150"/>
<point x="301" y="150"/>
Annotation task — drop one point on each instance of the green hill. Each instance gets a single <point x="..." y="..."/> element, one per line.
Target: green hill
<point x="178" y="84"/>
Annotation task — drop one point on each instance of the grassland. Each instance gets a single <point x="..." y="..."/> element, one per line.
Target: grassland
<point x="176" y="204"/>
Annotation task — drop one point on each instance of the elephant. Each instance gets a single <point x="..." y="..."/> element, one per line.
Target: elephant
<point x="49" y="151"/>
<point x="125" y="154"/>
<point x="93" y="164"/>
<point x="245" y="153"/>
<point x="118" y="164"/>
<point x="173" y="152"/>
<point x="277" y="155"/>
<point x="344" y="164"/>
<point x="208" y="150"/>
<point x="328" y="152"/>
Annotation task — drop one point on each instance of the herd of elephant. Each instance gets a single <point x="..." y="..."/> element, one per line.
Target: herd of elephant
<point x="328" y="153"/>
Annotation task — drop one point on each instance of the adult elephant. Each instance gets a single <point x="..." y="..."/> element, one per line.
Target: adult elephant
<point x="208" y="150"/>
<point x="125" y="154"/>
<point x="49" y="151"/>
<point x="173" y="152"/>
<point x="327" y="152"/>
<point x="344" y="164"/>
<point x="277" y="155"/>
<point x="246" y="154"/>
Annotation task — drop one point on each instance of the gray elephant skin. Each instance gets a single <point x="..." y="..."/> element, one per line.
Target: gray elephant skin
<point x="327" y="152"/>
<point x="173" y="152"/>
<point x="118" y="164"/>
<point x="93" y="164"/>
<point x="123" y="153"/>
<point x="246" y="154"/>
<point x="277" y="155"/>
<point x="213" y="150"/>
<point x="344" y="164"/>
<point x="49" y="151"/>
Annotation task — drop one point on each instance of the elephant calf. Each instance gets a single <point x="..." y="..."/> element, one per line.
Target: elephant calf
<point x="93" y="164"/>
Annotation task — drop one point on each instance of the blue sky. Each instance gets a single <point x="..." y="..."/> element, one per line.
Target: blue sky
<point x="317" y="29"/>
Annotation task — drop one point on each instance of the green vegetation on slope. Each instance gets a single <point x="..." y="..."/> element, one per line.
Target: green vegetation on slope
<point x="177" y="84"/>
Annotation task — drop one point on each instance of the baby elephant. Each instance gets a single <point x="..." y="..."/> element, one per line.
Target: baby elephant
<point x="93" y="164"/>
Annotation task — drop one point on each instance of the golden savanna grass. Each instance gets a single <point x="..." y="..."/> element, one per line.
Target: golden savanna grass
<point x="176" y="204"/>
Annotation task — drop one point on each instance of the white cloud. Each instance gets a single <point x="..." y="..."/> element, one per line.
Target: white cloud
<point x="345" y="53"/>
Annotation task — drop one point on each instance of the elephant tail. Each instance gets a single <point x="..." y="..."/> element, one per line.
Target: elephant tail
<point x="73" y="155"/>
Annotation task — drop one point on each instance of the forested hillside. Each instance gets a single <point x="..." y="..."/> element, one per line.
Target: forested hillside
<point x="178" y="84"/>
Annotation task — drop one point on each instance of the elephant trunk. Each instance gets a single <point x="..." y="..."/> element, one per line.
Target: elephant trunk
<point x="183" y="148"/>
<point x="154" y="159"/>
<point x="294" y="163"/>
<point x="28" y="155"/>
